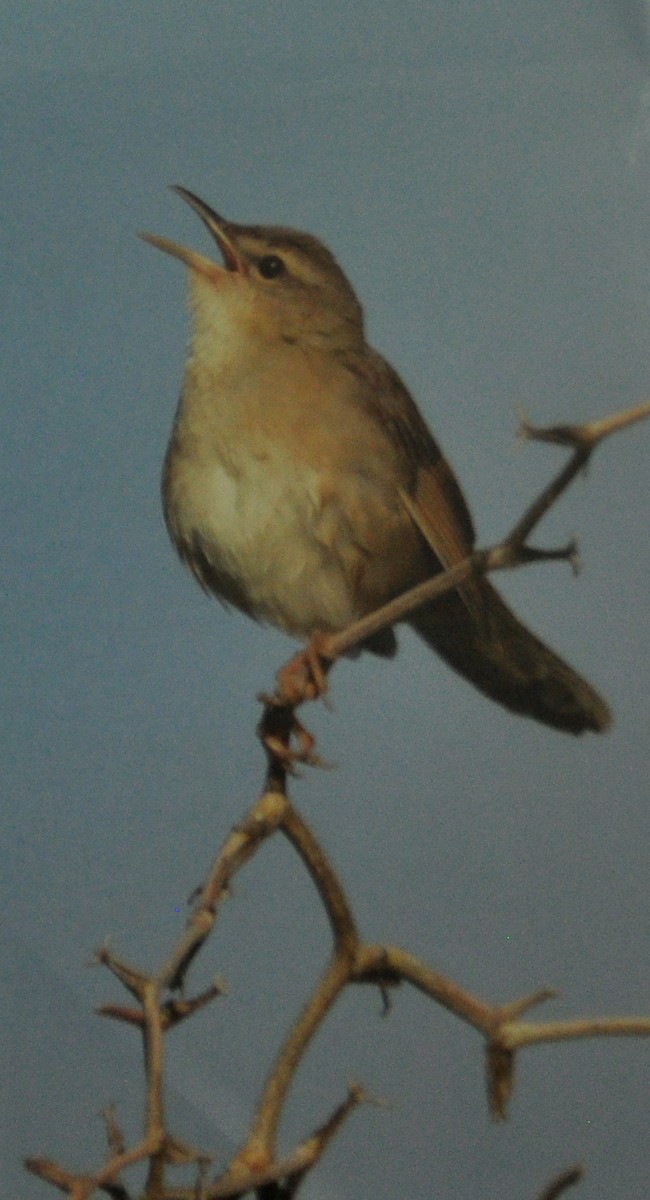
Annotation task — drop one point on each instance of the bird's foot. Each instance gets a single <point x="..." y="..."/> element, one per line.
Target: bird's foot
<point x="287" y="742"/>
<point x="304" y="677"/>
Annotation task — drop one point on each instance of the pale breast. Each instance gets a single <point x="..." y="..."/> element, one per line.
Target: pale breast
<point x="253" y="537"/>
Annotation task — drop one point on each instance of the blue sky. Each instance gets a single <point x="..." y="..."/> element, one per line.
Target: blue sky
<point x="481" y="172"/>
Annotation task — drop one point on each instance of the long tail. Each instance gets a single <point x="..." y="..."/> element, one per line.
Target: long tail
<point x="503" y="659"/>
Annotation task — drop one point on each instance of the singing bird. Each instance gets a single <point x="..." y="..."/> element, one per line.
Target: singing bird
<point x="300" y="473"/>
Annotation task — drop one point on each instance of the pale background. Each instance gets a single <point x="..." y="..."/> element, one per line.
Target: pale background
<point x="482" y="170"/>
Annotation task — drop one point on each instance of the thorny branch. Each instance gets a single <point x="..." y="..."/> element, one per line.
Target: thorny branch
<point x="256" y="1167"/>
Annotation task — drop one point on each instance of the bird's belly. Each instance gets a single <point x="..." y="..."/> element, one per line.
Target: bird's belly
<point x="256" y="537"/>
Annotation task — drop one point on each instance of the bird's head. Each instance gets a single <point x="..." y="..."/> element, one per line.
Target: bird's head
<point x="273" y="283"/>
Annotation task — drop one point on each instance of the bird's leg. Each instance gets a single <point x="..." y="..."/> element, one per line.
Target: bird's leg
<point x="305" y="676"/>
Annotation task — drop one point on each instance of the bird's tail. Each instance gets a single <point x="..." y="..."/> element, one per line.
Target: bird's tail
<point x="493" y="650"/>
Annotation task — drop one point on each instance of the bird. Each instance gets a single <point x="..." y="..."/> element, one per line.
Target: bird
<point x="300" y="477"/>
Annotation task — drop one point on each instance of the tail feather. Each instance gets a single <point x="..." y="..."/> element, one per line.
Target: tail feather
<point x="495" y="652"/>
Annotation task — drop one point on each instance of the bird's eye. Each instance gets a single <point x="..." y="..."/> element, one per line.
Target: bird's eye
<point x="270" y="266"/>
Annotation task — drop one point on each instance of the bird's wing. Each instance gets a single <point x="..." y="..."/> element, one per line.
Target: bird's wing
<point x="429" y="488"/>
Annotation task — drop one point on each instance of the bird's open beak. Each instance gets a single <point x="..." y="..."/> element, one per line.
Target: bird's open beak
<point x="218" y="227"/>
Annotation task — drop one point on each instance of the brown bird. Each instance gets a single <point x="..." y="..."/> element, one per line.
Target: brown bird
<point x="293" y="449"/>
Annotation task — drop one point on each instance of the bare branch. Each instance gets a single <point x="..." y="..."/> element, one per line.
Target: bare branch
<point x="520" y="1034"/>
<point x="325" y="878"/>
<point x="261" y="822"/>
